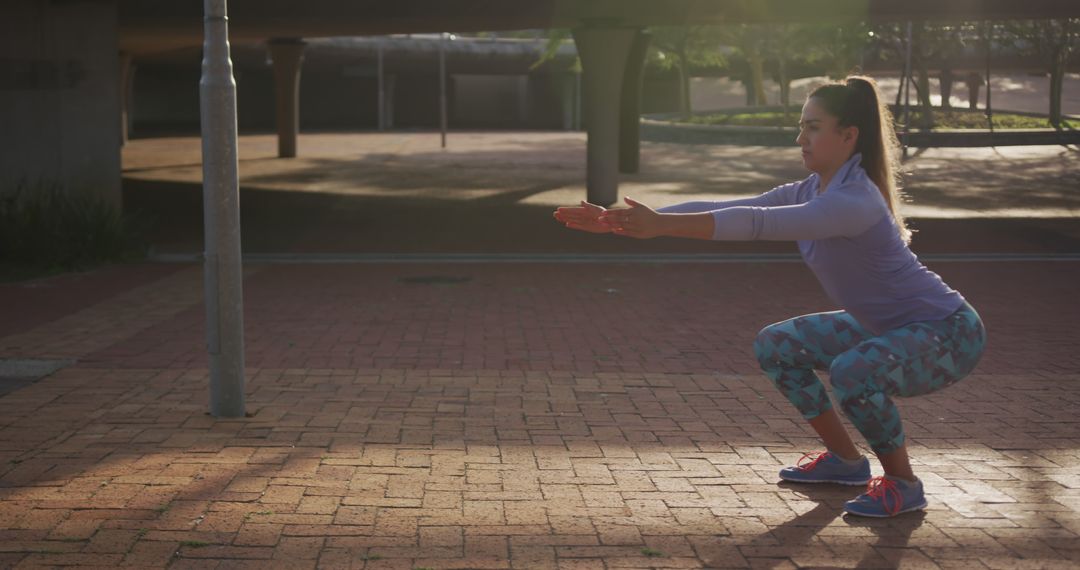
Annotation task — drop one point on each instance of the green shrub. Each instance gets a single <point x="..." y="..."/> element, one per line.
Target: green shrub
<point x="46" y="229"/>
<point x="943" y="119"/>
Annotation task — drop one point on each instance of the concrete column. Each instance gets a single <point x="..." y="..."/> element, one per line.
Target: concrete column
<point x="577" y="101"/>
<point x="288" y="56"/>
<point x="604" y="53"/>
<point x="630" y="107"/>
<point x="127" y="75"/>
<point x="59" y="97"/>
<point x="381" y="85"/>
<point x="569" y="101"/>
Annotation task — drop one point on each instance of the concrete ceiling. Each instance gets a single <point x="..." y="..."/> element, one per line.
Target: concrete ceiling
<point x="418" y="54"/>
<point x="155" y="26"/>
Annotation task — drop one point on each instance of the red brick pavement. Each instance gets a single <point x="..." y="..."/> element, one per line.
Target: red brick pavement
<point x="27" y="304"/>
<point x="683" y="318"/>
<point x="535" y="416"/>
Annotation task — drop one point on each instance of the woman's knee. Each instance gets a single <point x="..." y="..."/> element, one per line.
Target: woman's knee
<point x="848" y="377"/>
<point x="765" y="348"/>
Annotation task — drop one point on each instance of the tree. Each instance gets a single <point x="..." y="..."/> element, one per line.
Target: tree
<point x="936" y="44"/>
<point x="784" y="44"/>
<point x="1052" y="41"/>
<point x="684" y="48"/>
<point x="839" y="48"/>
<point x="749" y="41"/>
<point x="681" y="48"/>
<point x="556" y="38"/>
<point x="832" y="48"/>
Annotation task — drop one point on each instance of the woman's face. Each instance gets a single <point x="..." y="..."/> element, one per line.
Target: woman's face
<point x="825" y="145"/>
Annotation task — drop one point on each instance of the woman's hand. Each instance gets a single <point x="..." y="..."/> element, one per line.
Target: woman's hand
<point x="585" y="217"/>
<point x="637" y="221"/>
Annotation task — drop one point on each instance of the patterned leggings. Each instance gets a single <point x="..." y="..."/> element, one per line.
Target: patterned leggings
<point x="865" y="370"/>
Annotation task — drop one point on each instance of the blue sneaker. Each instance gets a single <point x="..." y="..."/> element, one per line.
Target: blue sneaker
<point x="824" y="467"/>
<point x="886" y="497"/>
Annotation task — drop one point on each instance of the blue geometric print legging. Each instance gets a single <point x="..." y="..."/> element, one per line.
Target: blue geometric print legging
<point x="866" y="369"/>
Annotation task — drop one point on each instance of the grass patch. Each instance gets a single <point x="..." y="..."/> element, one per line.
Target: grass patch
<point x="46" y="229"/>
<point x="652" y="552"/>
<point x="194" y="543"/>
<point x="759" y="119"/>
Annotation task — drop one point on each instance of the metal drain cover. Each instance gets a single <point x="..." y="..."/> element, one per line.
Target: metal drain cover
<point x="435" y="279"/>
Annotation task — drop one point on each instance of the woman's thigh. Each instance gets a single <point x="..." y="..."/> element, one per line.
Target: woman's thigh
<point x="810" y="341"/>
<point x="915" y="359"/>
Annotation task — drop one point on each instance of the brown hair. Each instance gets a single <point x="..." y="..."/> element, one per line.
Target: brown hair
<point x="856" y="102"/>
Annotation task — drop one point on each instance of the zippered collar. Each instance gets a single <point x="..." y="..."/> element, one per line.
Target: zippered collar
<point x="843" y="174"/>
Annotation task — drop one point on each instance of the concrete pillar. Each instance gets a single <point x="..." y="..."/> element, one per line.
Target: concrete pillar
<point x="288" y="56"/>
<point x="381" y="86"/>
<point x="604" y="53"/>
<point x="569" y="101"/>
<point x="630" y="107"/>
<point x="127" y="76"/>
<point x="59" y="97"/>
<point x="577" y="101"/>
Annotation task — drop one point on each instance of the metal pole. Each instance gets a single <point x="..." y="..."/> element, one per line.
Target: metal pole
<point x="442" y="87"/>
<point x="907" y="91"/>
<point x="382" y="89"/>
<point x="223" y="268"/>
<point x="989" y="109"/>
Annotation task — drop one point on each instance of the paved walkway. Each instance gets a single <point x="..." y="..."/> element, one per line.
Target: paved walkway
<point x="516" y="416"/>
<point x="500" y="415"/>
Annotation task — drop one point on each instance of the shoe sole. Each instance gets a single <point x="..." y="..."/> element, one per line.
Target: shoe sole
<point x="886" y="515"/>
<point x="836" y="481"/>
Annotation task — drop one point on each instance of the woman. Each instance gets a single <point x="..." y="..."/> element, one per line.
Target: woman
<point x="901" y="331"/>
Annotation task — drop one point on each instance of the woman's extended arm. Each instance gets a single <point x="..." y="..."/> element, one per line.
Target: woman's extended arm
<point x="840" y="212"/>
<point x="780" y="196"/>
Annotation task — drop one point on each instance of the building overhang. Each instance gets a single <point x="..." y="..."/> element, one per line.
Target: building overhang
<point x="149" y="26"/>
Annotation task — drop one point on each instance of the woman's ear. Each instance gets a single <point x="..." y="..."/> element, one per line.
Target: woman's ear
<point x="851" y="134"/>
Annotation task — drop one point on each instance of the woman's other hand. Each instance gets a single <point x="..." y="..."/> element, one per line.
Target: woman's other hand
<point x="585" y="217"/>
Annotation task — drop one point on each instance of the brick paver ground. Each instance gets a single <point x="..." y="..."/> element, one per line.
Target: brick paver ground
<point x="533" y="416"/>
<point x="521" y="416"/>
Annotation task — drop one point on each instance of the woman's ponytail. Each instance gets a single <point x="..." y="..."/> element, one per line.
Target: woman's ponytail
<point x="857" y="103"/>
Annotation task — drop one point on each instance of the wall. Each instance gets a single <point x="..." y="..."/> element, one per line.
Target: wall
<point x="59" y="95"/>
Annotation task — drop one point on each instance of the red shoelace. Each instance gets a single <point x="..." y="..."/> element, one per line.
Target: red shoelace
<point x="815" y="459"/>
<point x="885" y="490"/>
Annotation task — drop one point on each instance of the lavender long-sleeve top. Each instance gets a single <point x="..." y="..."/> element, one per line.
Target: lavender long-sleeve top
<point x="848" y="238"/>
